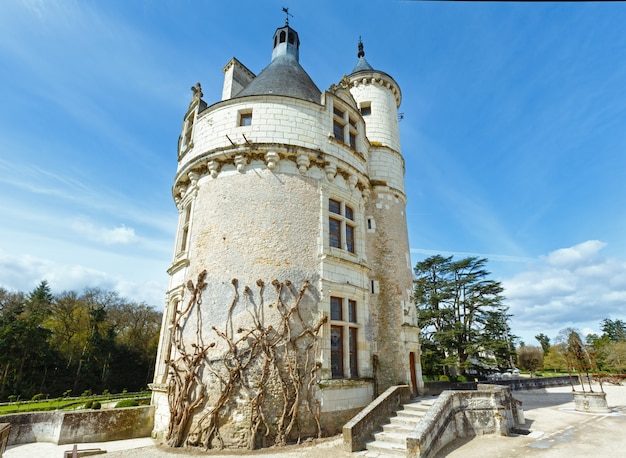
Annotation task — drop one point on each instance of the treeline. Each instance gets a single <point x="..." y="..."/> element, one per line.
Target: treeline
<point x="607" y="350"/>
<point x="70" y="342"/>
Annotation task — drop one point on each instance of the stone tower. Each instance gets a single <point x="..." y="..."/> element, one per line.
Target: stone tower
<point x="289" y="306"/>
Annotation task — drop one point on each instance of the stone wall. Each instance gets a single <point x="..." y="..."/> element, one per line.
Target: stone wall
<point x="489" y="410"/>
<point x="70" y="427"/>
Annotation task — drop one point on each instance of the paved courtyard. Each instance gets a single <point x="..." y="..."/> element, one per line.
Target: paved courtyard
<point x="556" y="431"/>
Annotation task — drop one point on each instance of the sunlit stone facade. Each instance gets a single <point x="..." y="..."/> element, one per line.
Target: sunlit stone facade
<point x="281" y="181"/>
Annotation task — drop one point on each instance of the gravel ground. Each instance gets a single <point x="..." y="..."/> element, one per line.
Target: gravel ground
<point x="557" y="431"/>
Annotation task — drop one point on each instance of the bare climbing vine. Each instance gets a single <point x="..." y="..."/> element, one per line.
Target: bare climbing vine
<point x="273" y="367"/>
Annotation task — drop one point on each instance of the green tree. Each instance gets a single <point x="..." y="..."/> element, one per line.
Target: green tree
<point x="460" y="312"/>
<point x="544" y="341"/>
<point x="615" y="359"/>
<point x="554" y="359"/>
<point x="530" y="359"/>
<point x="614" y="330"/>
<point x="25" y="352"/>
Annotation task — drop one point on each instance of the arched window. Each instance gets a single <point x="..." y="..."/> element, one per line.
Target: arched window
<point x="282" y="36"/>
<point x="292" y="38"/>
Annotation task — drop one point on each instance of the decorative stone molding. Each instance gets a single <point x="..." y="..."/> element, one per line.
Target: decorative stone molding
<point x="214" y="168"/>
<point x="331" y="171"/>
<point x="193" y="184"/>
<point x="241" y="161"/>
<point x="303" y="162"/>
<point x="271" y="159"/>
<point x="352" y="181"/>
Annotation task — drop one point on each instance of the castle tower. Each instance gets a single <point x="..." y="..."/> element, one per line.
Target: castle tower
<point x="293" y="235"/>
<point x="378" y="97"/>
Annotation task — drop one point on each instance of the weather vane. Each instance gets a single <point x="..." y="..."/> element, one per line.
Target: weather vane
<point x="286" y="10"/>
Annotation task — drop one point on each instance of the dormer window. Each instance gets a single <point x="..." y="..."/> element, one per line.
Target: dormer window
<point x="344" y="127"/>
<point x="188" y="129"/>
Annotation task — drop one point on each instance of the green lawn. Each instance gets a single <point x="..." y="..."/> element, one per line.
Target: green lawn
<point x="66" y="403"/>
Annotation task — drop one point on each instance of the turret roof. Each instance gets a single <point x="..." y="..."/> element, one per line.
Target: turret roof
<point x="361" y="64"/>
<point x="284" y="75"/>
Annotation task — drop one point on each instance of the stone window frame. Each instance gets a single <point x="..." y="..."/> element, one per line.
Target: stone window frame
<point x="344" y="338"/>
<point x="186" y="139"/>
<point x="365" y="108"/>
<point x="244" y="118"/>
<point x="345" y="126"/>
<point x="341" y="216"/>
<point x="184" y="229"/>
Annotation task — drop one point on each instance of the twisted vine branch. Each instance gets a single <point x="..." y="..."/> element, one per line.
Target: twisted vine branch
<point x="255" y="360"/>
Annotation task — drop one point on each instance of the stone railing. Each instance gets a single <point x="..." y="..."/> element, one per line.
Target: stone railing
<point x="4" y="436"/>
<point x="69" y="427"/>
<point x="489" y="410"/>
<point x="358" y="430"/>
<point x="435" y="388"/>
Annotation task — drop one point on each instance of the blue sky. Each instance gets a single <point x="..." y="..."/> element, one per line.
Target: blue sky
<point x="514" y="135"/>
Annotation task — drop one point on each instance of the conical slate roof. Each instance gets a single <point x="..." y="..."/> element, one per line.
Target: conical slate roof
<point x="284" y="76"/>
<point x="361" y="64"/>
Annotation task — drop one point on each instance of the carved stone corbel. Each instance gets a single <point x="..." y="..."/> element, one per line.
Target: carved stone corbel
<point x="303" y="163"/>
<point x="352" y="181"/>
<point x="193" y="183"/>
<point x="271" y="159"/>
<point x="331" y="171"/>
<point x="214" y="168"/>
<point x="241" y="161"/>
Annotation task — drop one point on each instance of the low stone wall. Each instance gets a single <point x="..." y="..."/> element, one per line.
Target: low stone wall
<point x="489" y="410"/>
<point x="4" y="436"/>
<point x="435" y="388"/>
<point x="358" y="430"/>
<point x="69" y="427"/>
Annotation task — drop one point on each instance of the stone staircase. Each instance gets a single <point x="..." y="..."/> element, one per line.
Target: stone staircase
<point x="391" y="441"/>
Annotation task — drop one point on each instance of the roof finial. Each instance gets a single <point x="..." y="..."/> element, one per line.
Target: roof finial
<point x="361" y="52"/>
<point x="286" y="10"/>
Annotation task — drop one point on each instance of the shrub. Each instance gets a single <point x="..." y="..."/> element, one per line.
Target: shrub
<point x="96" y="405"/>
<point x="37" y="397"/>
<point x="126" y="403"/>
<point x="461" y="378"/>
<point x="88" y="404"/>
<point x="444" y="378"/>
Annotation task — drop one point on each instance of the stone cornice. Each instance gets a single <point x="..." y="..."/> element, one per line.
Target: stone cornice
<point x="377" y="77"/>
<point x="211" y="162"/>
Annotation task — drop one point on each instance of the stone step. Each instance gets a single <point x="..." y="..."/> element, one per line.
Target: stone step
<point x="395" y="437"/>
<point x="418" y="407"/>
<point x="412" y="416"/>
<point x="391" y="441"/>
<point x="398" y="428"/>
<point x="386" y="448"/>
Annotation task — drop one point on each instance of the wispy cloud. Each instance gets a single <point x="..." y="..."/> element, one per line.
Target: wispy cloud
<point x="109" y="236"/>
<point x="489" y="256"/>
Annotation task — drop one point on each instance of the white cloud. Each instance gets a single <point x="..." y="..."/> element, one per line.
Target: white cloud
<point x="574" y="286"/>
<point x="24" y="273"/>
<point x="582" y="254"/>
<point x="116" y="235"/>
